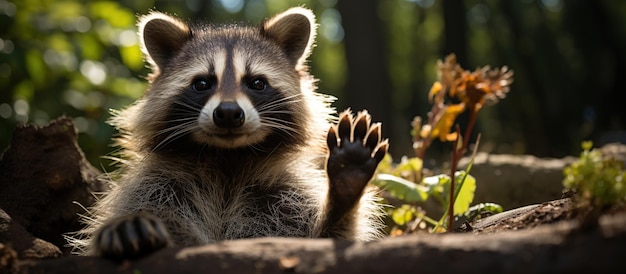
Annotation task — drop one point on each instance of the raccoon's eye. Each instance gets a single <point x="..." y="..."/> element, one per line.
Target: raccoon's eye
<point x="256" y="84"/>
<point x="202" y="84"/>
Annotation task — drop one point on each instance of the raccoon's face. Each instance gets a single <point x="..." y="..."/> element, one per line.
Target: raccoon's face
<point x="229" y="86"/>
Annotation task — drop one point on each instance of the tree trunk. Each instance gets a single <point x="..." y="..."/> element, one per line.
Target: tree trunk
<point x="455" y="30"/>
<point x="368" y="85"/>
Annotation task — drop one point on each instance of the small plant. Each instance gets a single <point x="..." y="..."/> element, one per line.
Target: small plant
<point x="434" y="187"/>
<point x="597" y="181"/>
<point x="457" y="90"/>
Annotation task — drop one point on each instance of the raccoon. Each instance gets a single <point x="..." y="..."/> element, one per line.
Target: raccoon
<point x="232" y="141"/>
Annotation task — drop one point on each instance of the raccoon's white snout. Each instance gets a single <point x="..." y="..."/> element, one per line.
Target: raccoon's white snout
<point x="228" y="115"/>
<point x="229" y="123"/>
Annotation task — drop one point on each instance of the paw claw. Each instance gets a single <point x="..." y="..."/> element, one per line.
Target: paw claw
<point x="361" y="126"/>
<point x="373" y="136"/>
<point x="131" y="237"/>
<point x="381" y="150"/>
<point x="344" y="126"/>
<point x="331" y="138"/>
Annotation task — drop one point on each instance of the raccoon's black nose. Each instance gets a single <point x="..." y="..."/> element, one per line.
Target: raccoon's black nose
<point x="228" y="115"/>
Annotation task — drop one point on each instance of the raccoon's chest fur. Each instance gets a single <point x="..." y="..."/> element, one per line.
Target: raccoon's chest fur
<point x="229" y="200"/>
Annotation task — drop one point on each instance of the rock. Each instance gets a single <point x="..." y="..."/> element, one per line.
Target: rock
<point x="42" y="174"/>
<point x="615" y="151"/>
<point x="516" y="180"/>
<point x="554" y="248"/>
<point x="8" y="259"/>
<point x="15" y="237"/>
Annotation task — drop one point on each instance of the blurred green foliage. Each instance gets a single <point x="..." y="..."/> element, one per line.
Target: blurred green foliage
<point x="598" y="180"/>
<point x="75" y="58"/>
<point x="81" y="58"/>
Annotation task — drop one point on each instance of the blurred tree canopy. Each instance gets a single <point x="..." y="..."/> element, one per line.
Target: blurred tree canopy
<point x="81" y="58"/>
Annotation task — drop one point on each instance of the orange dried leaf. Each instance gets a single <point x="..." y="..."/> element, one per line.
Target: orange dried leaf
<point x="474" y="89"/>
<point x="434" y="90"/>
<point x="444" y="125"/>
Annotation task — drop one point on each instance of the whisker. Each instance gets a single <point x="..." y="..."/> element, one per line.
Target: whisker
<point x="192" y="107"/>
<point x="176" y="132"/>
<point x="185" y="119"/>
<point x="284" y="111"/>
<point x="284" y="128"/>
<point x="280" y="102"/>
<point x="175" y="127"/>
<point x="279" y="121"/>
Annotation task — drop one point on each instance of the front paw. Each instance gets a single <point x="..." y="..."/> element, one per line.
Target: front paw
<point x="355" y="148"/>
<point x="131" y="237"/>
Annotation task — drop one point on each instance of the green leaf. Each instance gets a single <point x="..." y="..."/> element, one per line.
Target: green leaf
<point x="587" y="145"/>
<point x="402" y="215"/>
<point x="476" y="210"/>
<point x="436" y="184"/>
<point x="415" y="164"/>
<point x="401" y="188"/>
<point x="408" y="168"/>
<point x="465" y="196"/>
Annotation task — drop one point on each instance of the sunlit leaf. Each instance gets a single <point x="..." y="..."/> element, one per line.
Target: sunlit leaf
<point x="465" y="196"/>
<point x="443" y="127"/>
<point x="400" y="188"/>
<point x="435" y="185"/>
<point x="402" y="215"/>
<point x="415" y="163"/>
<point x="439" y="185"/>
<point x="587" y="145"/>
<point x="409" y="168"/>
<point x="476" y="211"/>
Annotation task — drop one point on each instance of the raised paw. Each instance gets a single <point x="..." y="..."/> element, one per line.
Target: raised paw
<point x="355" y="148"/>
<point x="131" y="237"/>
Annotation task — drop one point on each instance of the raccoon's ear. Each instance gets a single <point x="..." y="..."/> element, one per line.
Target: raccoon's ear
<point x="162" y="36"/>
<point x="294" y="31"/>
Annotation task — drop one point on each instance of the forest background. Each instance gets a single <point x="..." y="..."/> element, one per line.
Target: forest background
<point x="81" y="58"/>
